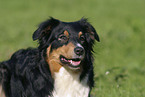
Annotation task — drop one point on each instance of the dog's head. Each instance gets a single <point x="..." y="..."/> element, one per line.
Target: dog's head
<point x="65" y="43"/>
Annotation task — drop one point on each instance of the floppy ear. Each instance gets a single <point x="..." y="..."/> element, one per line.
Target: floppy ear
<point x="45" y="27"/>
<point x="92" y="32"/>
<point x="90" y="29"/>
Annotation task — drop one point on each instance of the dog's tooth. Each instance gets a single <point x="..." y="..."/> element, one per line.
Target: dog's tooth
<point x="71" y="61"/>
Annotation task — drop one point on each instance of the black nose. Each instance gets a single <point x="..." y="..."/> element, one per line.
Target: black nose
<point x="79" y="51"/>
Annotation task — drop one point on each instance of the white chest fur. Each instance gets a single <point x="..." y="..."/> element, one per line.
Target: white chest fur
<point x="68" y="85"/>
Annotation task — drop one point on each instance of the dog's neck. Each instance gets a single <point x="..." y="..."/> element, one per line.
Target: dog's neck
<point x="67" y="84"/>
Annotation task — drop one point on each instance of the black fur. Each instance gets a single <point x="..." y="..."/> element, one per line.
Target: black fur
<point x="27" y="74"/>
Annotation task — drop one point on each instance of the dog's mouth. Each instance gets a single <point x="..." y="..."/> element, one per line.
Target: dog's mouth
<point x="73" y="63"/>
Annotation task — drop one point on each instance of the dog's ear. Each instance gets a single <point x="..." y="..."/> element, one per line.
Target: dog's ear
<point x="93" y="33"/>
<point x="45" y="27"/>
<point x="90" y="29"/>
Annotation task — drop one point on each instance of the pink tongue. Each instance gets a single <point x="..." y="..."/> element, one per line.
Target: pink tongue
<point x="74" y="62"/>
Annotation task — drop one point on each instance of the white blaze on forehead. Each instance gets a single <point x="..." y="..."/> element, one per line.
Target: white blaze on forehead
<point x="79" y="45"/>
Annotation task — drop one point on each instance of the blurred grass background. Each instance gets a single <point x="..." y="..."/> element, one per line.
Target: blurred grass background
<point x="120" y="56"/>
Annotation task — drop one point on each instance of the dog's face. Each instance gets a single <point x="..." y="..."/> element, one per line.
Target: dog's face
<point x="66" y="43"/>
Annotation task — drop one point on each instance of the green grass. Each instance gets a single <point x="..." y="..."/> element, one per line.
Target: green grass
<point x="120" y="56"/>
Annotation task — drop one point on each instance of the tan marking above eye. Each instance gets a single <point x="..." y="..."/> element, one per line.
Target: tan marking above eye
<point x="64" y="37"/>
<point x="66" y="33"/>
<point x="80" y="34"/>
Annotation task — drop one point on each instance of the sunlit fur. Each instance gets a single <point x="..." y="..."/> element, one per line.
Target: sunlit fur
<point x="61" y="66"/>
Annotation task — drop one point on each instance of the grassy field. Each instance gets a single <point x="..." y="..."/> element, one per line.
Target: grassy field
<point x="120" y="56"/>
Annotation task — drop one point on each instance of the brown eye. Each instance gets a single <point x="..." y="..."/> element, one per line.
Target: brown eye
<point x="82" y="38"/>
<point x="62" y="38"/>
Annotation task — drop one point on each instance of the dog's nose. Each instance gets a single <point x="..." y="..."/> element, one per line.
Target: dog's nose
<point x="79" y="51"/>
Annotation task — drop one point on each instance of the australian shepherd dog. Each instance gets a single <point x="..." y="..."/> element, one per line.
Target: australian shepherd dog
<point x="61" y="66"/>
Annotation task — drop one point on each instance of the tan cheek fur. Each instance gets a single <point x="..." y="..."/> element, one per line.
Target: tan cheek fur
<point x="53" y="62"/>
<point x="2" y="94"/>
<point x="53" y="57"/>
